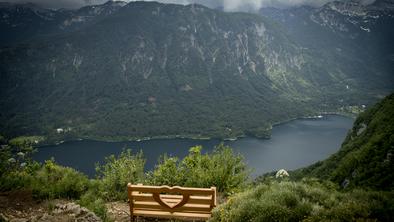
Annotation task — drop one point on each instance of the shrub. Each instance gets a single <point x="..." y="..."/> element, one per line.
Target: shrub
<point x="15" y="154"/>
<point x="227" y="171"/>
<point x="222" y="169"/>
<point x="93" y="201"/>
<point x="166" y="172"/>
<point x="15" y="180"/>
<point x="116" y="172"/>
<point x="54" y="181"/>
<point x="46" y="181"/>
<point x="296" y="201"/>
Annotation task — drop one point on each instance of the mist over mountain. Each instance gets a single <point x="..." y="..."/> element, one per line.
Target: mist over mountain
<point x="147" y="69"/>
<point x="227" y="5"/>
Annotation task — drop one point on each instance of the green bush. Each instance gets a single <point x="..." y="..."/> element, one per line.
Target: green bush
<point x="46" y="181"/>
<point x="116" y="172"/>
<point x="222" y="169"/>
<point x="54" y="181"/>
<point x="15" y="180"/>
<point x="93" y="201"/>
<point x="49" y="180"/>
<point x="166" y="172"/>
<point x="305" y="201"/>
<point x="227" y="171"/>
<point x="15" y="154"/>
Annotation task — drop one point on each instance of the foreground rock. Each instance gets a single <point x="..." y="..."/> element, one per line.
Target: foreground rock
<point x="74" y="211"/>
<point x="20" y="207"/>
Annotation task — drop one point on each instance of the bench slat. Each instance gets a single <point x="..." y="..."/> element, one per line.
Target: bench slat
<point x="186" y="207"/>
<point x="176" y="189"/>
<point x="176" y="215"/>
<point x="174" y="198"/>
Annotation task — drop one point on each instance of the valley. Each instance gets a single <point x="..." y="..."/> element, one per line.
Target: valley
<point x="284" y="107"/>
<point x="202" y="72"/>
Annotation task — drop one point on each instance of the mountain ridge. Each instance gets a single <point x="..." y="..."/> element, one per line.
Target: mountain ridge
<point x="202" y="72"/>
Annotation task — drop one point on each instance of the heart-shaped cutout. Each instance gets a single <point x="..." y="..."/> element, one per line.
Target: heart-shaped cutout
<point x="170" y="206"/>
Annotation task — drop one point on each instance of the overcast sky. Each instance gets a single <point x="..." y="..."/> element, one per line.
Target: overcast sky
<point x="228" y="5"/>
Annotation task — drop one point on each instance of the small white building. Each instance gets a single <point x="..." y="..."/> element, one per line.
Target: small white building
<point x="59" y="130"/>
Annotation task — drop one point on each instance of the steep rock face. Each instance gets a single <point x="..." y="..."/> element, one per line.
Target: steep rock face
<point x="350" y="37"/>
<point x="150" y="69"/>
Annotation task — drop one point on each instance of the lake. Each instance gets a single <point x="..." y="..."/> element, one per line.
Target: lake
<point x="294" y="144"/>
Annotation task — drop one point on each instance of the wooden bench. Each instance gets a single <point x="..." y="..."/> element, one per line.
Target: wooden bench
<point x="171" y="202"/>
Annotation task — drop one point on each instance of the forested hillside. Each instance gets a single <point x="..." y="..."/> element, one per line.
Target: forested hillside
<point x="366" y="157"/>
<point x="146" y="69"/>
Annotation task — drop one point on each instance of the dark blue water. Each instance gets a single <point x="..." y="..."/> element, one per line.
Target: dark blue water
<point x="294" y="144"/>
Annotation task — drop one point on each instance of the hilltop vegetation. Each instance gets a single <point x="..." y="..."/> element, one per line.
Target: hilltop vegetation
<point x="222" y="169"/>
<point x="354" y="184"/>
<point x="306" y="200"/>
<point x="366" y="156"/>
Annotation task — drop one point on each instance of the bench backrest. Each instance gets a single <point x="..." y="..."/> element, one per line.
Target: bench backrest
<point x="171" y="202"/>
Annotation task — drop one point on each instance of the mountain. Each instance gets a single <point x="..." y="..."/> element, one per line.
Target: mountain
<point x="23" y="22"/>
<point x="147" y="69"/>
<point x="354" y="38"/>
<point x="366" y="156"/>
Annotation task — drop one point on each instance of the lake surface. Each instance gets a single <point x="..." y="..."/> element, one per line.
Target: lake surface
<point x="294" y="144"/>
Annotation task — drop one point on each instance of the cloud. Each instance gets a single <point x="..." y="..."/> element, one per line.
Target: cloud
<point x="228" y="5"/>
<point x="236" y="5"/>
<point x="55" y="4"/>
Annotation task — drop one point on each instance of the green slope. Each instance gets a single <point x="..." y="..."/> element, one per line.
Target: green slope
<point x="366" y="156"/>
<point x="363" y="166"/>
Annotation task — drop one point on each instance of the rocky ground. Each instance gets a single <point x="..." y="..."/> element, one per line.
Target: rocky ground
<point x="119" y="211"/>
<point x="20" y="207"/>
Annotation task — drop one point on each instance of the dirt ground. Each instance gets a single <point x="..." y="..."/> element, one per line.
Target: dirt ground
<point x="21" y="207"/>
<point x="119" y="211"/>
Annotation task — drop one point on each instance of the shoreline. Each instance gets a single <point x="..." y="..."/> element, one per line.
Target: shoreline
<point x="199" y="137"/>
<point x="318" y="116"/>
